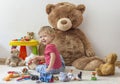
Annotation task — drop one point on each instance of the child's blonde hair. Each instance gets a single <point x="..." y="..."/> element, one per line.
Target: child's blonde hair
<point x="46" y="29"/>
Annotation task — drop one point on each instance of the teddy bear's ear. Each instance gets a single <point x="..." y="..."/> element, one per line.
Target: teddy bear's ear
<point x="81" y="7"/>
<point x="49" y="8"/>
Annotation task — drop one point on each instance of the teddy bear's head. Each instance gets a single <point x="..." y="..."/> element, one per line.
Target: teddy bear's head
<point x="111" y="58"/>
<point x="14" y="52"/>
<point x="65" y="16"/>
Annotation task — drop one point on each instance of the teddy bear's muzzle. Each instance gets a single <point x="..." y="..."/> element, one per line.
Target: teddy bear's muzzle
<point x="64" y="24"/>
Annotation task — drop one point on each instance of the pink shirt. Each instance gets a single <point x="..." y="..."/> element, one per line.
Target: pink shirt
<point x="51" y="48"/>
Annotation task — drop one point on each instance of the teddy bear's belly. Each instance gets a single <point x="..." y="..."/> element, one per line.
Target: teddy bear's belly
<point x="71" y="48"/>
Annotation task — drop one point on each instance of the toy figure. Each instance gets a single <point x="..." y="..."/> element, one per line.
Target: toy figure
<point x="71" y="75"/>
<point x="80" y="76"/>
<point x="93" y="76"/>
<point x="63" y="77"/>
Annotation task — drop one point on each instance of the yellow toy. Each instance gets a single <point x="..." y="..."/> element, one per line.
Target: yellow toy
<point x="109" y="67"/>
<point x="10" y="76"/>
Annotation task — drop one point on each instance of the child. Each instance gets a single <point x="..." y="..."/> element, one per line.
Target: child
<point x="53" y="61"/>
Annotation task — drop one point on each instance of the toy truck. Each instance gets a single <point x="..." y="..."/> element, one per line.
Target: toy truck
<point x="46" y="77"/>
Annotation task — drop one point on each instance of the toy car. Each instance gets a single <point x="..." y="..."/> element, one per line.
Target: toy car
<point x="34" y="77"/>
<point x="46" y="77"/>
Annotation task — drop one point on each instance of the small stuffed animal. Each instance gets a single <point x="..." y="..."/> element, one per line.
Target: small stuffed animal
<point x="29" y="36"/>
<point x="14" y="59"/>
<point x="109" y="67"/>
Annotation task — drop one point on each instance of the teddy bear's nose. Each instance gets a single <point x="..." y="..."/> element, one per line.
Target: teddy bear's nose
<point x="63" y="22"/>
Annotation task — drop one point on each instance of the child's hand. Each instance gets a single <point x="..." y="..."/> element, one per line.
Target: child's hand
<point x="48" y="69"/>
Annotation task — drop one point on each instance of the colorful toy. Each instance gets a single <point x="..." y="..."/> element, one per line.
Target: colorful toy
<point x="11" y="75"/>
<point x="24" y="77"/>
<point x="93" y="76"/>
<point x="63" y="77"/>
<point x="109" y="67"/>
<point x="25" y="71"/>
<point x="71" y="75"/>
<point x="14" y="59"/>
<point x="23" y="52"/>
<point x="46" y="77"/>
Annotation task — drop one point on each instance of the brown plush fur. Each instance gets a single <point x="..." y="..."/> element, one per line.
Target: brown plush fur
<point x="72" y="43"/>
<point x="14" y="59"/>
<point x="109" y="67"/>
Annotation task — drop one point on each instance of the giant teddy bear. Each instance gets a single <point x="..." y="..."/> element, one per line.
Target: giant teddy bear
<point x="72" y="43"/>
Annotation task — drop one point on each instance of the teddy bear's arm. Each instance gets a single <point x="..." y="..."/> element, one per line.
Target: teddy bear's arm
<point x="7" y="61"/>
<point x="88" y="49"/>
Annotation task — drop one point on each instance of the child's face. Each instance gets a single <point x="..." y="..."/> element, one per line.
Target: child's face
<point x="46" y="38"/>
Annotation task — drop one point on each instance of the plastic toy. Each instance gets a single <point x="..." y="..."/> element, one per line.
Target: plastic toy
<point x="46" y="77"/>
<point x="34" y="77"/>
<point x="25" y="71"/>
<point x="11" y="75"/>
<point x="80" y="75"/>
<point x="63" y="77"/>
<point x="93" y="76"/>
<point x="23" y="78"/>
<point x="23" y="44"/>
<point x="71" y="75"/>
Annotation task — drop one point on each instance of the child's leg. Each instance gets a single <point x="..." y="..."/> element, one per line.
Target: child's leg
<point x="61" y="69"/>
<point x="41" y="68"/>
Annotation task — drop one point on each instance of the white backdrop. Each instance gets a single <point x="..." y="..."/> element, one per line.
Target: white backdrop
<point x="101" y="22"/>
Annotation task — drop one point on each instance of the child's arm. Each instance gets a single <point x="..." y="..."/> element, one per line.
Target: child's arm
<point x="52" y="60"/>
<point x="37" y="58"/>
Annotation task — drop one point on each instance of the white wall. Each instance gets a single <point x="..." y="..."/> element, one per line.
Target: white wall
<point x="101" y="22"/>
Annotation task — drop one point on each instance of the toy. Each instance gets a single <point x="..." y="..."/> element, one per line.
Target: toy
<point x="46" y="77"/>
<point x="80" y="76"/>
<point x="63" y="77"/>
<point x="14" y="59"/>
<point x="93" y="76"/>
<point x="109" y="67"/>
<point x="23" y="78"/>
<point x="11" y="75"/>
<point x="34" y="77"/>
<point x="25" y="71"/>
<point x="30" y="35"/>
<point x="71" y="75"/>
<point x="72" y="43"/>
<point x="32" y="65"/>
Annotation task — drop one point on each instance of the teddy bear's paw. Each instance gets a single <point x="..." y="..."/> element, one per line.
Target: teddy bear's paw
<point x="13" y="64"/>
<point x="90" y="52"/>
<point x="22" y="63"/>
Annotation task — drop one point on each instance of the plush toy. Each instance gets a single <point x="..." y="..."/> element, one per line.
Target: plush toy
<point x="72" y="43"/>
<point x="29" y="36"/>
<point x="109" y="67"/>
<point x="14" y="59"/>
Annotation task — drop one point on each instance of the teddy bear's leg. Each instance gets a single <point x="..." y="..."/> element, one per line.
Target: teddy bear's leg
<point x="21" y="63"/>
<point x="13" y="64"/>
<point x="98" y="71"/>
<point x="7" y="61"/>
<point x="87" y="63"/>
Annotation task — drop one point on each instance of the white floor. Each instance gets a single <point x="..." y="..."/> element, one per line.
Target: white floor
<point x="86" y="77"/>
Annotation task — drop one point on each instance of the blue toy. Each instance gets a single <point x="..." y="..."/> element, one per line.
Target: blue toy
<point x="46" y="77"/>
